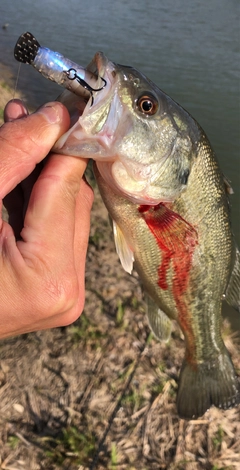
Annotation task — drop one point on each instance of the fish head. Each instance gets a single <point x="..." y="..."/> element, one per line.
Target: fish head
<point x="143" y="142"/>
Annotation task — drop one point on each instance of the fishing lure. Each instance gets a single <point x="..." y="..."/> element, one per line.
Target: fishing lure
<point x="56" y="67"/>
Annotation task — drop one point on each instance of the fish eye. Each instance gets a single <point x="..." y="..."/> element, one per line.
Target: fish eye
<point x="147" y="104"/>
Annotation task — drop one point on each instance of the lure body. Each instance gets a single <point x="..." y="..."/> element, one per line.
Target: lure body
<point x="55" y="67"/>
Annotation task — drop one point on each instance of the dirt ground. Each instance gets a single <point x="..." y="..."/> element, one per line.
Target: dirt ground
<point x="101" y="393"/>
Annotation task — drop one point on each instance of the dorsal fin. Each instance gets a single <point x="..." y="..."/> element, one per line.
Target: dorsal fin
<point x="232" y="294"/>
<point x="227" y="185"/>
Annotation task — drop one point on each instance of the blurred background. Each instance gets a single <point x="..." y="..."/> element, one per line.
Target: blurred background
<point x="189" y="49"/>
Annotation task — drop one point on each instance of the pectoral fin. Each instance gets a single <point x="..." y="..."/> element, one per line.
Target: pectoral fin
<point x="158" y="321"/>
<point x="123" y="249"/>
<point x="232" y="294"/>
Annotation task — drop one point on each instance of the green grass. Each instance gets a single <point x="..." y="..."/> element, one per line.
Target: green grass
<point x="218" y="438"/>
<point x="114" y="457"/>
<point x="96" y="238"/>
<point x="134" y="398"/>
<point x="150" y="338"/>
<point x="5" y="86"/>
<point x="120" y="313"/>
<point x="72" y="445"/>
<point x="216" y="467"/>
<point x="84" y="330"/>
<point x="157" y="388"/>
<point x="13" y="442"/>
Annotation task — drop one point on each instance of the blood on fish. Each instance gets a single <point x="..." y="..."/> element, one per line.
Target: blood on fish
<point x="176" y="239"/>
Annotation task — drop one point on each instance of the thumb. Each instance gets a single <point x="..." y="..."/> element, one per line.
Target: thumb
<point x="25" y="142"/>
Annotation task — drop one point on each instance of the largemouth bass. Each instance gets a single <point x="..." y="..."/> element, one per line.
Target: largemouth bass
<point x="162" y="185"/>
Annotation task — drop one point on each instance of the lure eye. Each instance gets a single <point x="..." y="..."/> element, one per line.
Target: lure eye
<point x="147" y="104"/>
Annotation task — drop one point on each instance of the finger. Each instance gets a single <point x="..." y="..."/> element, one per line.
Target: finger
<point x="81" y="235"/>
<point x="14" y="201"/>
<point x="50" y="219"/>
<point x="47" y="245"/>
<point x="26" y="141"/>
<point x="15" y="109"/>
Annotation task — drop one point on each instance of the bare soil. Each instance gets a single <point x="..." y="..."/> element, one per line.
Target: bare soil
<point x="101" y="393"/>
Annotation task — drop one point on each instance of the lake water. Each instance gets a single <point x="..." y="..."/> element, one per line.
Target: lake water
<point x="190" y="49"/>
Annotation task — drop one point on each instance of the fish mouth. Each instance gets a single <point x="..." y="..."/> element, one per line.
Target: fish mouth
<point x="89" y="111"/>
<point x="98" y="67"/>
<point x="94" y="87"/>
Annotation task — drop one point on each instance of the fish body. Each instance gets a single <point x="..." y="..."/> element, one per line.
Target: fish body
<point x="181" y="270"/>
<point x="161" y="183"/>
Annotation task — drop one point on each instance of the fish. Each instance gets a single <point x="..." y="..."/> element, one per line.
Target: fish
<point x="169" y="203"/>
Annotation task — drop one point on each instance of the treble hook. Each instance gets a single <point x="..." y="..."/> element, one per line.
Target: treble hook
<point x="72" y="75"/>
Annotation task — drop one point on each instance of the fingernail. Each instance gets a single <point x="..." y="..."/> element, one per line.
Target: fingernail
<point x="15" y="109"/>
<point x="51" y="112"/>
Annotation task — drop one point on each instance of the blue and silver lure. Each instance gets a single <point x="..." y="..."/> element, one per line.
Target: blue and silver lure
<point x="56" y="67"/>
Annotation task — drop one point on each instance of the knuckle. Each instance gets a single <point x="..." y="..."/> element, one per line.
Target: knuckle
<point x="73" y="315"/>
<point x="63" y="294"/>
<point x="14" y="138"/>
<point x="56" y="295"/>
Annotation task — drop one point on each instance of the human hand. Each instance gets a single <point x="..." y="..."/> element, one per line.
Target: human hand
<point x="43" y="247"/>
